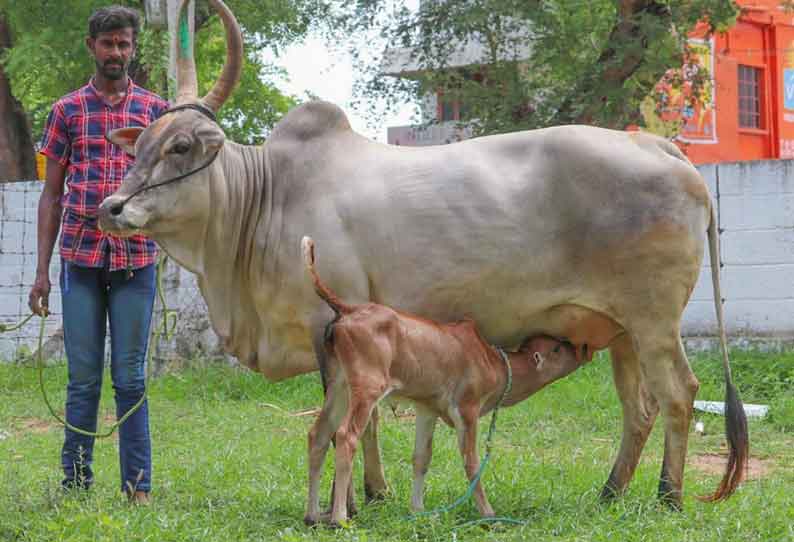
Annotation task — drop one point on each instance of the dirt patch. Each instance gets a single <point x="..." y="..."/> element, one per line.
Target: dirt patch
<point x="35" y="426"/>
<point x="715" y="464"/>
<point x="38" y="426"/>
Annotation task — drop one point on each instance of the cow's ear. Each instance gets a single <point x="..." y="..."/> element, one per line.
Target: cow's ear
<point x="125" y="138"/>
<point x="210" y="136"/>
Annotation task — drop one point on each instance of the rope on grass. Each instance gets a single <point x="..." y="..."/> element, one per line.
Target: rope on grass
<point x="13" y="327"/>
<point x="169" y="316"/>
<point x="475" y="480"/>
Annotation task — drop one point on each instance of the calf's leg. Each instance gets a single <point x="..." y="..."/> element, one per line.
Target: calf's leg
<point x="423" y="452"/>
<point x="375" y="486"/>
<point x="361" y="404"/>
<point x="466" y="426"/>
<point x="370" y="445"/>
<point x="334" y="409"/>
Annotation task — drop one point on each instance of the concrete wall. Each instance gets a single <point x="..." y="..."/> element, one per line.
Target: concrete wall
<point x="756" y="214"/>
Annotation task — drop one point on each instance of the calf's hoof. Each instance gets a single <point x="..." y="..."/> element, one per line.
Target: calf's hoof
<point x="352" y="511"/>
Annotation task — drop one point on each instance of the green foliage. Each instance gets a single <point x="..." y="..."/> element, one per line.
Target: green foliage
<point x="761" y="378"/>
<point x="49" y="57"/>
<point x="543" y="63"/>
<point x="256" y="105"/>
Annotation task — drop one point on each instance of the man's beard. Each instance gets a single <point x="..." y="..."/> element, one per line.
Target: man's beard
<point x="112" y="70"/>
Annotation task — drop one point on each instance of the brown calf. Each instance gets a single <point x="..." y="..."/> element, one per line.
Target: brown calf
<point x="447" y="370"/>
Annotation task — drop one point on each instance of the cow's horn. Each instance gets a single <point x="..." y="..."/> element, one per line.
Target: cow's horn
<point x="187" y="89"/>
<point x="230" y="75"/>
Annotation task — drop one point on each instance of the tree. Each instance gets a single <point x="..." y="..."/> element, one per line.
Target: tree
<point x="543" y="62"/>
<point x="16" y="148"/>
<point x="48" y="59"/>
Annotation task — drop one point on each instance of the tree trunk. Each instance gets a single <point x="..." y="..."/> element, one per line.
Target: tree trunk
<point x="623" y="55"/>
<point x="17" y="156"/>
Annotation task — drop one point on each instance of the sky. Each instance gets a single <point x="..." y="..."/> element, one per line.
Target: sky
<point x="330" y="75"/>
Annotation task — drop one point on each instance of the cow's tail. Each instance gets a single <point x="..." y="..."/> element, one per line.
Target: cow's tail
<point x="735" y="418"/>
<point x="307" y="246"/>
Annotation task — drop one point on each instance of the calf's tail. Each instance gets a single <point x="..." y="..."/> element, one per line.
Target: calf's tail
<point x="735" y="418"/>
<point x="325" y="293"/>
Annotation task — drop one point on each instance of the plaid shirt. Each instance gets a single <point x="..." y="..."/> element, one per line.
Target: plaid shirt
<point x="74" y="135"/>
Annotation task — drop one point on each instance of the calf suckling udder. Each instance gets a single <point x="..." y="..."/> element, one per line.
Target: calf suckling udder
<point x="587" y="330"/>
<point x="447" y="370"/>
<point x="540" y="361"/>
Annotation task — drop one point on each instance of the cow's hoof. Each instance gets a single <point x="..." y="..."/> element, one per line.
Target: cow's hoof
<point x="373" y="494"/>
<point x="671" y="502"/>
<point x="608" y="493"/>
<point x="310" y="521"/>
<point x="669" y="496"/>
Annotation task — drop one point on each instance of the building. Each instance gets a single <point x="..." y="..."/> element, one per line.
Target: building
<point x="441" y="115"/>
<point x="746" y="112"/>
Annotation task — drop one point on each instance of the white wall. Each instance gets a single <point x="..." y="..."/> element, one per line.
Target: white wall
<point x="756" y="213"/>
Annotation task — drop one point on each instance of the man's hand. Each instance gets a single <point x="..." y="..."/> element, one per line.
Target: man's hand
<point x="49" y="223"/>
<point x="39" y="298"/>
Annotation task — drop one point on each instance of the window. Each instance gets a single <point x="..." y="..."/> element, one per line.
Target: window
<point x="750" y="97"/>
<point x="446" y="109"/>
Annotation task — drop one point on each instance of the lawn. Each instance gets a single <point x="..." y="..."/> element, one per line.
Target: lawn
<point x="230" y="464"/>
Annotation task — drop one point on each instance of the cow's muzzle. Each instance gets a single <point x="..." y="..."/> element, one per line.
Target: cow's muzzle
<point x="116" y="218"/>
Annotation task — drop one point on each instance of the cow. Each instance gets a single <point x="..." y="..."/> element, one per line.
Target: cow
<point x="579" y="232"/>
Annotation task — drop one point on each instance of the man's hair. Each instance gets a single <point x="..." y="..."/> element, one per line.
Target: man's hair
<point x="114" y="18"/>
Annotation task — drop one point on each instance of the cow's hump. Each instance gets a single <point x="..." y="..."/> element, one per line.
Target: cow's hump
<point x="310" y="120"/>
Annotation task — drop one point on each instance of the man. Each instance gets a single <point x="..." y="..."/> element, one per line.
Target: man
<point x="102" y="277"/>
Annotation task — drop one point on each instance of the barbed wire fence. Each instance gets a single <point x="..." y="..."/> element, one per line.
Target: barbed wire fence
<point x="193" y="338"/>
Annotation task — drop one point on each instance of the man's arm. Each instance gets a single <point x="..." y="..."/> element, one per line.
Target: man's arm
<point x="49" y="221"/>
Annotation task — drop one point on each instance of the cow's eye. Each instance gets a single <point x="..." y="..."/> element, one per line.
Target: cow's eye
<point x="179" y="148"/>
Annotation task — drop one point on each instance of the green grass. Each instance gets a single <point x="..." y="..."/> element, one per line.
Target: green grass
<point x="230" y="466"/>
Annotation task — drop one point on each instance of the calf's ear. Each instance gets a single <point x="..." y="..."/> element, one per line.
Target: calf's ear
<point x="125" y="138"/>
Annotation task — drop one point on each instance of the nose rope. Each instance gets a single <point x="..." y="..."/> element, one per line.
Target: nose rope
<point x="169" y="181"/>
<point x="207" y="112"/>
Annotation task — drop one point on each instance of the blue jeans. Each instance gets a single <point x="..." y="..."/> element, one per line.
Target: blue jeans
<point x="91" y="297"/>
